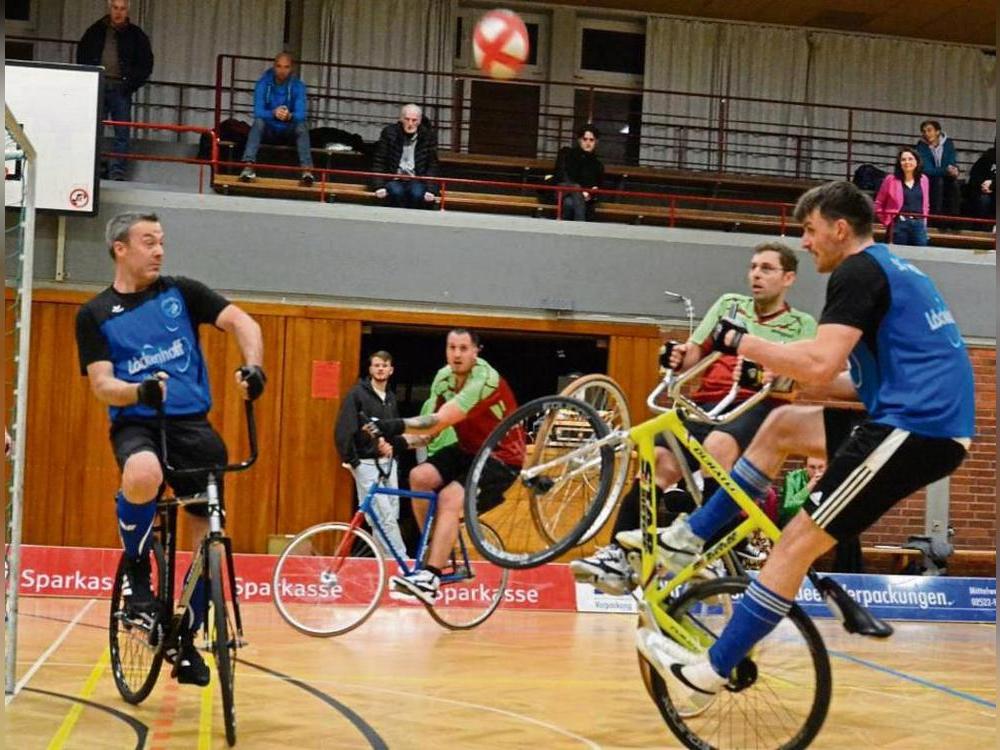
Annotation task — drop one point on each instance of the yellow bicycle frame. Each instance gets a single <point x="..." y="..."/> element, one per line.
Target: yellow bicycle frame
<point x="655" y="591"/>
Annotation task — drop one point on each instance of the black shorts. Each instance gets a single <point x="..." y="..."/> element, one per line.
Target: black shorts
<point x="875" y="468"/>
<point x="838" y="425"/>
<point x="190" y="442"/>
<point x="453" y="464"/>
<point x="742" y="429"/>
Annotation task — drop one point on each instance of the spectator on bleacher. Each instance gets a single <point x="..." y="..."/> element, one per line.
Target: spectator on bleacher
<point x="123" y="49"/>
<point x="940" y="164"/>
<point x="279" y="117"/>
<point x="902" y="201"/>
<point x="407" y="147"/>
<point x="981" y="189"/>
<point x="579" y="166"/>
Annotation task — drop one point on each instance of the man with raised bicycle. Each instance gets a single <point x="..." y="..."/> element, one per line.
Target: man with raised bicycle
<point x="471" y="397"/>
<point x="909" y="367"/>
<point x="138" y="345"/>
<point x="772" y="272"/>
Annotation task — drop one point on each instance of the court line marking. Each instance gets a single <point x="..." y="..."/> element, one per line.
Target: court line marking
<point x="62" y="734"/>
<point x="50" y="650"/>
<point x="141" y="729"/>
<point x="503" y="712"/>
<point x="366" y="729"/>
<point x="917" y="680"/>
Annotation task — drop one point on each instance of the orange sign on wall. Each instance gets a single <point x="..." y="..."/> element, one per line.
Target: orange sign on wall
<point x="325" y="379"/>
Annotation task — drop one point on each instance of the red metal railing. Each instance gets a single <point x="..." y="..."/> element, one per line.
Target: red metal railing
<point x="202" y="163"/>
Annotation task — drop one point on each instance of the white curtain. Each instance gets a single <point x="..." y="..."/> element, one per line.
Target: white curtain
<point x="680" y="130"/>
<point x="933" y="80"/>
<point x="413" y="38"/>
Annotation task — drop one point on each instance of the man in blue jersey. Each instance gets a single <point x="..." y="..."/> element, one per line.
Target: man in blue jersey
<point x="138" y="346"/>
<point x="908" y="366"/>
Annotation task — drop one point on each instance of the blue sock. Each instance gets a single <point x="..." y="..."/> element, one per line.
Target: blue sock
<point x="757" y="614"/>
<point x="135" y="524"/>
<point x="194" y="615"/>
<point x="720" y="508"/>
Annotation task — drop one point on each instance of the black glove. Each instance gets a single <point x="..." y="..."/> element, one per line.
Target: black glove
<point x="666" y="351"/>
<point x="389" y="428"/>
<point x="751" y="375"/>
<point x="723" y="327"/>
<point x="150" y="393"/>
<point x="254" y="377"/>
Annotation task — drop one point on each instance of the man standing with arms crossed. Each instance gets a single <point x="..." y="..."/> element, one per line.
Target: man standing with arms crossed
<point x="138" y="346"/>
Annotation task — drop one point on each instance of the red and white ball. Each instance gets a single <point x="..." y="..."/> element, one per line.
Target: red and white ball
<point x="500" y="44"/>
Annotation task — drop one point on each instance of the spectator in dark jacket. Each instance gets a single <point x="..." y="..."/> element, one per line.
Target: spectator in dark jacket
<point x="407" y="147"/>
<point x="371" y="398"/>
<point x="123" y="49"/>
<point x="982" y="189"/>
<point x="940" y="164"/>
<point x="579" y="166"/>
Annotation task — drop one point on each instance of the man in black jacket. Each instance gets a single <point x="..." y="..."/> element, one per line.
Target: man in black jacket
<point x="407" y="147"/>
<point x="580" y="167"/>
<point x="372" y="397"/>
<point x="122" y="48"/>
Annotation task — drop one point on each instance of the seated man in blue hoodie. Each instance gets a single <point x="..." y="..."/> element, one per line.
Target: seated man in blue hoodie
<point x="940" y="163"/>
<point x="279" y="111"/>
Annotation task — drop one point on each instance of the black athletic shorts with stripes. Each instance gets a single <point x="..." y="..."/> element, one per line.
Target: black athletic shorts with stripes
<point x="874" y="468"/>
<point x="191" y="442"/>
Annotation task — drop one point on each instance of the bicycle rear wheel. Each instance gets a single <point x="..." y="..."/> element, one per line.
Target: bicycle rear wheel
<point x="329" y="579"/>
<point x="780" y="693"/>
<point x="475" y="592"/>
<point x="224" y="637"/>
<point x="549" y="504"/>
<point x="608" y="399"/>
<point x="137" y="650"/>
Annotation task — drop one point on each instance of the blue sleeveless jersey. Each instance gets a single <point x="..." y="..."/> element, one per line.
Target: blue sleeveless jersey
<point x="920" y="379"/>
<point x="158" y="335"/>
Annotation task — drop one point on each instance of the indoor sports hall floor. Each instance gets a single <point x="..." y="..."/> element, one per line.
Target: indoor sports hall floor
<point x="522" y="679"/>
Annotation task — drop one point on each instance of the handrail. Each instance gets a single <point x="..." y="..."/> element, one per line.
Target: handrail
<point x="669" y="201"/>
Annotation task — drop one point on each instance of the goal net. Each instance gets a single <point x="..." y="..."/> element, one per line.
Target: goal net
<point x="19" y="231"/>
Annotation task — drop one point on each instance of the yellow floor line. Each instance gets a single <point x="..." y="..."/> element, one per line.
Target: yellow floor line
<point x="205" y="720"/>
<point x="59" y="740"/>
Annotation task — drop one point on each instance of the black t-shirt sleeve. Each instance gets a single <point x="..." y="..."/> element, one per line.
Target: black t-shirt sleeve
<point x="857" y="294"/>
<point x="91" y="345"/>
<point x="203" y="304"/>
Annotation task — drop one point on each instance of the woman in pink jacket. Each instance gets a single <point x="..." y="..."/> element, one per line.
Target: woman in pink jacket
<point x="903" y="199"/>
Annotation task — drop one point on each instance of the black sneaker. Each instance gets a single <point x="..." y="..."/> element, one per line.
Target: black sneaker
<point x="248" y="174"/>
<point x="307" y="179"/>
<point x="140" y="603"/>
<point x="189" y="667"/>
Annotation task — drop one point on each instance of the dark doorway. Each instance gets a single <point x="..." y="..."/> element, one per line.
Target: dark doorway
<point x="534" y="364"/>
<point x="503" y="119"/>
<point x="618" y="118"/>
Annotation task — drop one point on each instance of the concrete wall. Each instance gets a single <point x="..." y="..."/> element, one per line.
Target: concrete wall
<point x="473" y="262"/>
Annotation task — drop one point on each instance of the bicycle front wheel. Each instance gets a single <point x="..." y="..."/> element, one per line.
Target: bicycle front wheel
<point x="608" y="399"/>
<point x="778" y="697"/>
<point x="469" y="594"/>
<point x="542" y="509"/>
<point x="137" y="649"/>
<point x="329" y="579"/>
<point x="224" y="636"/>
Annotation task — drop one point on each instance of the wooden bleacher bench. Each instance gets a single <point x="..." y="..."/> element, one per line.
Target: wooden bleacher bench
<point x="960" y="561"/>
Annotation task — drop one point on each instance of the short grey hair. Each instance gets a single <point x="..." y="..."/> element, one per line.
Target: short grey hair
<point x="412" y="108"/>
<point x="120" y="225"/>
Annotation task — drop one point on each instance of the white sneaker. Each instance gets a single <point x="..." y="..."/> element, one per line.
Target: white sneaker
<point x="678" y="546"/>
<point x="607" y="570"/>
<point x="691" y="682"/>
<point x="422" y="584"/>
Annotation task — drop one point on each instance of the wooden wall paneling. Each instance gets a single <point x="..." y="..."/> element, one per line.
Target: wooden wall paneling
<point x="312" y="486"/>
<point x="252" y="495"/>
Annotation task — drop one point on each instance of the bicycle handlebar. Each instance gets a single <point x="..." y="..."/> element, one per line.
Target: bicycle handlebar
<point x="672" y="384"/>
<point x="217" y="469"/>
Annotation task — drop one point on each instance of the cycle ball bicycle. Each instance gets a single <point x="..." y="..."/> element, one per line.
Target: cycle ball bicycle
<point x="778" y="697"/>
<point x="332" y="576"/>
<point x="139" y="648"/>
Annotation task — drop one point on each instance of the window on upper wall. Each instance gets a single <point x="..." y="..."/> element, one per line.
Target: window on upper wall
<point x="18" y="17"/>
<point x="611" y="50"/>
